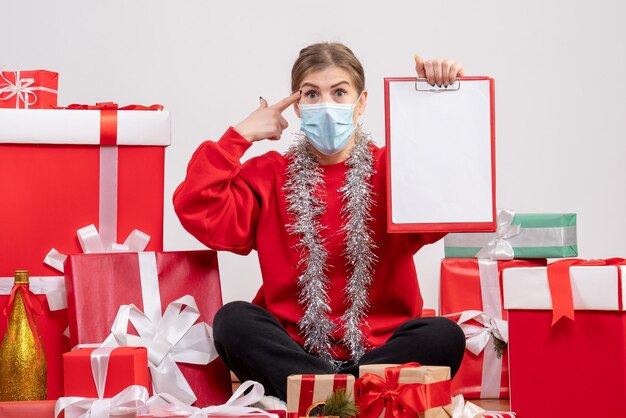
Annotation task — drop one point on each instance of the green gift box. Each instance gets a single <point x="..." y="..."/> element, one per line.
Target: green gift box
<point x="521" y="235"/>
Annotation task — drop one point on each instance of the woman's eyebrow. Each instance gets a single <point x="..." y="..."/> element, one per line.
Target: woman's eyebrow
<point x="340" y="83"/>
<point x="309" y="84"/>
<point x="315" y="86"/>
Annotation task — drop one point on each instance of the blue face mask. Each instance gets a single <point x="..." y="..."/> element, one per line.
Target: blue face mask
<point x="328" y="126"/>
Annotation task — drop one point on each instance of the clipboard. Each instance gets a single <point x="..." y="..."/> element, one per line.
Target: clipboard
<point x="440" y="155"/>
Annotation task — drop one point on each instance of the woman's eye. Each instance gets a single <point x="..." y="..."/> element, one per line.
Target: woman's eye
<point x="340" y="93"/>
<point x="310" y="94"/>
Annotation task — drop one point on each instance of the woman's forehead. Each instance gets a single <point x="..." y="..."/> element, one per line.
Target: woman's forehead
<point x="327" y="77"/>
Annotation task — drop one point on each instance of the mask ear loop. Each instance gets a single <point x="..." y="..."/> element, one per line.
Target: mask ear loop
<point x="358" y="116"/>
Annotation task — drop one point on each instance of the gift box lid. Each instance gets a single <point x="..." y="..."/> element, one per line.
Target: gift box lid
<point x="593" y="288"/>
<point x="65" y="126"/>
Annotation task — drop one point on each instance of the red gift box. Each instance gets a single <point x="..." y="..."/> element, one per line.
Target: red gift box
<point x="574" y="368"/>
<point x="50" y="324"/>
<point x="52" y="160"/>
<point x="98" y="284"/>
<point x="34" y="409"/>
<point x="469" y="284"/>
<point x="126" y="366"/>
<point x="28" y="89"/>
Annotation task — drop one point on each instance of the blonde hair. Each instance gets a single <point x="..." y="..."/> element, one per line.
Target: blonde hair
<point x="323" y="55"/>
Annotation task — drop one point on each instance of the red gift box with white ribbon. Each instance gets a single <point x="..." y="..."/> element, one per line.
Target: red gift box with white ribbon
<point x="64" y="169"/>
<point x="163" y="301"/>
<point x="567" y="327"/>
<point x="115" y="370"/>
<point x="33" y="89"/>
<point x="470" y="292"/>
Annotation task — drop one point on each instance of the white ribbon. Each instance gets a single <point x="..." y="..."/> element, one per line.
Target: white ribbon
<point x="22" y="89"/>
<point x="170" y="339"/>
<point x="461" y="409"/>
<point x="91" y="242"/>
<point x="477" y="336"/>
<point x="129" y="401"/>
<point x="53" y="287"/>
<point x="499" y="248"/>
<point x="492" y="307"/>
<point x="166" y="405"/>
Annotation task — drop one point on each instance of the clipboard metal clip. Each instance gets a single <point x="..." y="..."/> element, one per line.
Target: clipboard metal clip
<point x="421" y="84"/>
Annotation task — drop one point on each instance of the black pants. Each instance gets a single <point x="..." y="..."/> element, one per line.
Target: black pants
<point x="256" y="347"/>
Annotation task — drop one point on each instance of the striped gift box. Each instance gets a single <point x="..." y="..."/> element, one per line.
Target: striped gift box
<point x="306" y="390"/>
<point x="540" y="235"/>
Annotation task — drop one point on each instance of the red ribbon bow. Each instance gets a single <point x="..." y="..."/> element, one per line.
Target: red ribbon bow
<point x="32" y="306"/>
<point x="375" y="393"/>
<point x="561" y="285"/>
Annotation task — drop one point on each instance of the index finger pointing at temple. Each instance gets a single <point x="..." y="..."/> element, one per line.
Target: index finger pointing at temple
<point x="287" y="101"/>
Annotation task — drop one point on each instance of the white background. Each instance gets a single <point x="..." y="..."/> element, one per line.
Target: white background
<point x="559" y="69"/>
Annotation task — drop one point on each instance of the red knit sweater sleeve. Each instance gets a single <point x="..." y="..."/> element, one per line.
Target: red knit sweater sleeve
<point x="214" y="203"/>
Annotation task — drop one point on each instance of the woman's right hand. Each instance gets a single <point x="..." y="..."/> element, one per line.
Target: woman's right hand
<point x="266" y="122"/>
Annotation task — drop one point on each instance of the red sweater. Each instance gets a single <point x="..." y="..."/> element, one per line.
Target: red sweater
<point x="240" y="207"/>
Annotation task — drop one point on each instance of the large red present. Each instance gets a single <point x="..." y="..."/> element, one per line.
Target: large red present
<point x="153" y="300"/>
<point x="305" y="391"/>
<point x="471" y="294"/>
<point x="28" y="89"/>
<point x="51" y="324"/>
<point x="574" y="367"/>
<point x="80" y="167"/>
<point x="120" y="367"/>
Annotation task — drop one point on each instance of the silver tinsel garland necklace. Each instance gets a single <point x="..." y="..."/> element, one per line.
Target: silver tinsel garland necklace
<point x="302" y="188"/>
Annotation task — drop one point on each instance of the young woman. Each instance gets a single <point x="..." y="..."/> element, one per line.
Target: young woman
<point x="338" y="290"/>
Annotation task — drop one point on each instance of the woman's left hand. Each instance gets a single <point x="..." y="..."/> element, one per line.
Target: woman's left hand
<point x="439" y="72"/>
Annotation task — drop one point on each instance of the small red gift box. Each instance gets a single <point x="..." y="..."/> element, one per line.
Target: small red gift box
<point x="306" y="390"/>
<point x="35" y="89"/>
<point x="160" y="284"/>
<point x="35" y="409"/>
<point x="469" y="284"/>
<point x="575" y="367"/>
<point x="51" y="325"/>
<point x="126" y="366"/>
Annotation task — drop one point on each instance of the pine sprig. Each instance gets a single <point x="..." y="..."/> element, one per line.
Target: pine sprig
<point x="337" y="404"/>
<point x="499" y="346"/>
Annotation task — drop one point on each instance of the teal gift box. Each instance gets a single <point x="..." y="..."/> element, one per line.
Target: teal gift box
<point x="521" y="235"/>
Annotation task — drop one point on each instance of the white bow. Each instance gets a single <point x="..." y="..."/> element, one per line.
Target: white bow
<point x="130" y="400"/>
<point x="169" y="339"/>
<point x="23" y="89"/>
<point x="90" y="242"/>
<point x="166" y="405"/>
<point x="477" y="336"/>
<point x="499" y="247"/>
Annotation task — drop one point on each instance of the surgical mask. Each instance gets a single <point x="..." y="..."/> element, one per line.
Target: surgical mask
<point x="328" y="126"/>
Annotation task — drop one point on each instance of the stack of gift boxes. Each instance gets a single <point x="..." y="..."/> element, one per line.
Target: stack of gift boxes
<point x="82" y="210"/>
